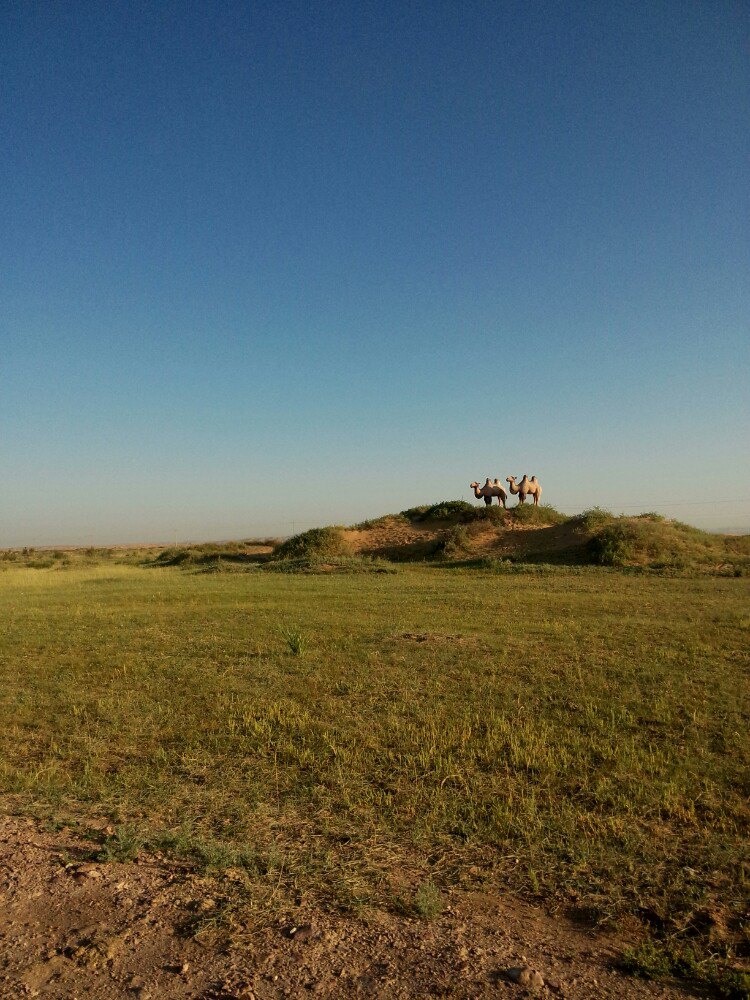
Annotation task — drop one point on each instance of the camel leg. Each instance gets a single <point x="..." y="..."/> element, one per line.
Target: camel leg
<point x="536" y="499"/>
<point x="488" y="501"/>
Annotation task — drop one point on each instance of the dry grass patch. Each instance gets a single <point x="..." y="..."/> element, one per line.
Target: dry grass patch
<point x="589" y="744"/>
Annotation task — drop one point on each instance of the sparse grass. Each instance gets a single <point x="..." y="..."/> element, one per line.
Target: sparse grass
<point x="658" y="960"/>
<point x="500" y="567"/>
<point x="379" y="522"/>
<point x="125" y="844"/>
<point x="331" y="564"/>
<point x="585" y="739"/>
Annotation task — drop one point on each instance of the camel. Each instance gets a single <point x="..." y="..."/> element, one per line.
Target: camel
<point x="490" y="490"/>
<point x="527" y="487"/>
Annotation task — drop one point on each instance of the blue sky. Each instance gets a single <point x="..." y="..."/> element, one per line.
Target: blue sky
<point x="266" y="265"/>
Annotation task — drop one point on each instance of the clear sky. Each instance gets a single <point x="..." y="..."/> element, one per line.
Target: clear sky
<point x="293" y="263"/>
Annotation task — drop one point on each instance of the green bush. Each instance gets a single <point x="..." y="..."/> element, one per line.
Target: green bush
<point x="541" y="515"/>
<point x="457" y="542"/>
<point x="613" y="545"/>
<point x="378" y="522"/>
<point x="415" y="513"/>
<point x="318" y="543"/>
<point x="174" y="557"/>
<point x="459" y="511"/>
<point x="591" y="520"/>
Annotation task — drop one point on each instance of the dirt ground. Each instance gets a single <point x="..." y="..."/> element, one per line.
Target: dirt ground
<point x="72" y="928"/>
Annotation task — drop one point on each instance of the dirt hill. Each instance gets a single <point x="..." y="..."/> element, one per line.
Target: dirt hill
<point x="456" y="531"/>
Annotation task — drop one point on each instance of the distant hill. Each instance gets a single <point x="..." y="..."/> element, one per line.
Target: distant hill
<point x="458" y="531"/>
<point x="451" y="532"/>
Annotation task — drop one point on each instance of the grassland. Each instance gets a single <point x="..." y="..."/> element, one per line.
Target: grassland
<point x="578" y="735"/>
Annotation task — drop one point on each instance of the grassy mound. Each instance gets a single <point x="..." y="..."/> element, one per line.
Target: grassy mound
<point x="209" y="557"/>
<point x="650" y="540"/>
<point x="462" y="512"/>
<point x="318" y="544"/>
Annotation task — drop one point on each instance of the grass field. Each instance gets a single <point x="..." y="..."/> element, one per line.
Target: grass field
<point x="372" y="739"/>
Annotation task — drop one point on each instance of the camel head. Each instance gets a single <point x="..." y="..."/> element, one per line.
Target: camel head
<point x="510" y="479"/>
<point x="473" y="486"/>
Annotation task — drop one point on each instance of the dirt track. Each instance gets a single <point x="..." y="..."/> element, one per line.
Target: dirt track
<point x="72" y="929"/>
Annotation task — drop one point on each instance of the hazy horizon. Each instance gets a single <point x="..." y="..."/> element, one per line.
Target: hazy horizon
<point x="268" y="266"/>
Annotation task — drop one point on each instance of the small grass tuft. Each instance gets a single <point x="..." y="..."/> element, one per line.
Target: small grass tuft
<point x="295" y="640"/>
<point x="428" y="901"/>
<point x="125" y="844"/>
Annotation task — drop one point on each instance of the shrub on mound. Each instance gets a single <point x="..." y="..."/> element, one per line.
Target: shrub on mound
<point x="457" y="511"/>
<point x="532" y="514"/>
<point x="445" y="510"/>
<point x="614" y="545"/>
<point x="316" y="544"/>
<point x="173" y="557"/>
<point x="663" y="544"/>
<point x="591" y="520"/>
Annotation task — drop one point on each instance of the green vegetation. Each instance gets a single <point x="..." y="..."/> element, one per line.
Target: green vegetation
<point x="578" y="733"/>
<point x="330" y="564"/>
<point x="454" y="511"/>
<point x="656" y="960"/>
<point x="449" y="531"/>
<point x="295" y="640"/>
<point x="650" y="540"/>
<point x="317" y="544"/>
<point x="542" y="515"/>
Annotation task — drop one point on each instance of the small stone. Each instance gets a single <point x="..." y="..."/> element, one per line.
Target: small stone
<point x="526" y="976"/>
<point x="87" y="871"/>
<point x="302" y="933"/>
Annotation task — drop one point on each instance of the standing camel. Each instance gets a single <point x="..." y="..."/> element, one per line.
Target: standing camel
<point x="490" y="490"/>
<point x="527" y="487"/>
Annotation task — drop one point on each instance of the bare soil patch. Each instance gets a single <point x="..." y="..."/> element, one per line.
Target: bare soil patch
<point x="70" y="927"/>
